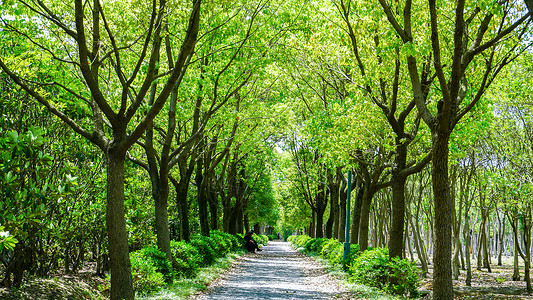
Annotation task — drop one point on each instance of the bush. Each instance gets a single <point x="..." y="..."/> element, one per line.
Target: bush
<point x="233" y="241"/>
<point x="333" y="251"/>
<point x="203" y="244"/>
<point x="299" y="240"/>
<point x="187" y="258"/>
<point x="315" y="245"/>
<point x="160" y="262"/>
<point x="221" y="244"/>
<point x="373" y="268"/>
<point x="146" y="279"/>
<point x="261" y="239"/>
<point x="352" y="256"/>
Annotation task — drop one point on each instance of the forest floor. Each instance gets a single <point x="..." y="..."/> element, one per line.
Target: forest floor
<point x="497" y="284"/>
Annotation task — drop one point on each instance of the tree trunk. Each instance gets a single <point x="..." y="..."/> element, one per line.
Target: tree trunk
<point x="119" y="257"/>
<point x="213" y="209"/>
<point x="342" y="213"/>
<point x="312" y="226"/>
<point x="467" y="236"/>
<point x="161" y="216"/>
<point x="201" y="180"/>
<point x="501" y="229"/>
<point x="442" y="255"/>
<point x="356" y="214"/>
<point x="181" y="188"/>
<point x="396" y="241"/>
<point x="319" y="232"/>
<point x="364" y="220"/>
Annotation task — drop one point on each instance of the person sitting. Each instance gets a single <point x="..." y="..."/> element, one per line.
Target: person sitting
<point x="251" y="245"/>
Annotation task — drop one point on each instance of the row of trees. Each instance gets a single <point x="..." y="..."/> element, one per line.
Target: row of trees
<point x="168" y="92"/>
<point x="195" y="95"/>
<point x="386" y="100"/>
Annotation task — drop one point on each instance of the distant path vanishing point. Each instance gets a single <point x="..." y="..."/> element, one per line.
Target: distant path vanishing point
<point x="278" y="272"/>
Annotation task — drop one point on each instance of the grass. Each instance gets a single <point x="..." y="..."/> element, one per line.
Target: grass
<point x="183" y="288"/>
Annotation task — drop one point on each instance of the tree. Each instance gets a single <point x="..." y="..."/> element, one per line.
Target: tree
<point x="482" y="40"/>
<point x="118" y="120"/>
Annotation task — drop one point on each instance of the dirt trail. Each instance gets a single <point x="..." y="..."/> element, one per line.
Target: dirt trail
<point x="278" y="272"/>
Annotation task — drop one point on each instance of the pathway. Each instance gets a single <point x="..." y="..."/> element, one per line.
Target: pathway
<point x="278" y="272"/>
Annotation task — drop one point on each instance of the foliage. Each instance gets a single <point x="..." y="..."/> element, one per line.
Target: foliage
<point x="187" y="258"/>
<point x="373" y="268"/>
<point x="299" y="240"/>
<point x="7" y="241"/>
<point x="315" y="245"/>
<point x="146" y="278"/>
<point x="205" y="249"/>
<point x="160" y="262"/>
<point x="261" y="239"/>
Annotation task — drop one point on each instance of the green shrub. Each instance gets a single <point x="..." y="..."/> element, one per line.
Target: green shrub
<point x="352" y="256"/>
<point x="220" y="244"/>
<point x="291" y="238"/>
<point x="187" y="258"/>
<point x="233" y="241"/>
<point x="261" y="239"/>
<point x="373" y="268"/>
<point x="315" y="244"/>
<point x="333" y="251"/>
<point x="203" y="244"/>
<point x="146" y="279"/>
<point x="236" y="241"/>
<point x="160" y="262"/>
<point x="272" y="237"/>
<point x="299" y="240"/>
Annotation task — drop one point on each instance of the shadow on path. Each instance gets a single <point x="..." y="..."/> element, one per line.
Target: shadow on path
<point x="278" y="272"/>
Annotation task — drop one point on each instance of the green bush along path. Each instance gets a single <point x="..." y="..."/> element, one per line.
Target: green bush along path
<point x="278" y="272"/>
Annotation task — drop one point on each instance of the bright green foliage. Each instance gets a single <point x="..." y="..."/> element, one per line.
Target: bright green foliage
<point x="7" y="241"/>
<point x="315" y="245"/>
<point x="187" y="258"/>
<point x="373" y="268"/>
<point x="160" y="261"/>
<point x="333" y="251"/>
<point x="146" y="278"/>
<point x="261" y="239"/>
<point x="232" y="242"/>
<point x="205" y="249"/>
<point x="298" y="240"/>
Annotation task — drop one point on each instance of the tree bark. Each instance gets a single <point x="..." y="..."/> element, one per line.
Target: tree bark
<point x="342" y="212"/>
<point x="119" y="257"/>
<point x="442" y="256"/>
<point x="365" y="218"/>
<point x="396" y="240"/>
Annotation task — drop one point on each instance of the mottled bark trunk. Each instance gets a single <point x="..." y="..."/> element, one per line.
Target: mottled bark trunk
<point x="202" y="196"/>
<point x="396" y="244"/>
<point x="119" y="257"/>
<point x="312" y="226"/>
<point x="396" y="240"/>
<point x="442" y="255"/>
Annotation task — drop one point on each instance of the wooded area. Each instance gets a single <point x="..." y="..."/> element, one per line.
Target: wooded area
<point x="172" y="119"/>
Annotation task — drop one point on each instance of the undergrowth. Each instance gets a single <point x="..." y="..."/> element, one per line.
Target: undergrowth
<point x="183" y="288"/>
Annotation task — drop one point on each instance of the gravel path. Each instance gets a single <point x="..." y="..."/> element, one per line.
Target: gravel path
<point x="278" y="272"/>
